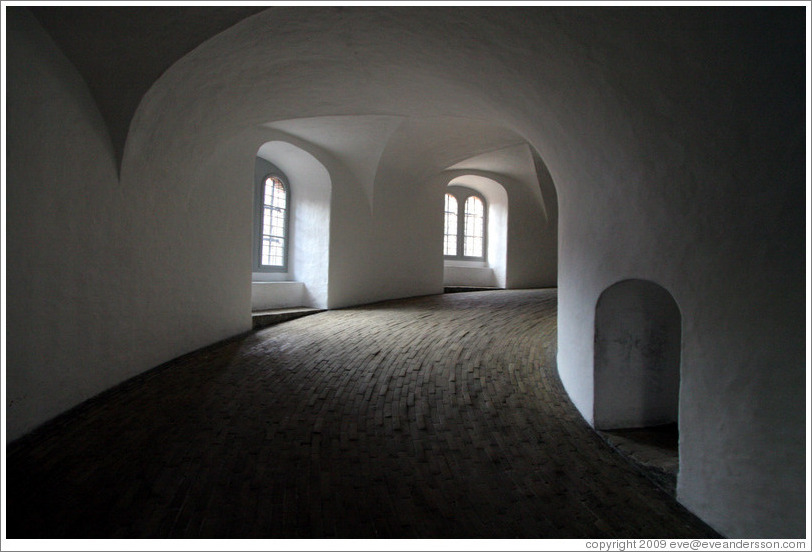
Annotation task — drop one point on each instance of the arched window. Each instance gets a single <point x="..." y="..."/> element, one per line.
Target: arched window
<point x="272" y="228"/>
<point x="465" y="223"/>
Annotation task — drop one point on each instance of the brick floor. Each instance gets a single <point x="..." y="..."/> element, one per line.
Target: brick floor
<point x="439" y="417"/>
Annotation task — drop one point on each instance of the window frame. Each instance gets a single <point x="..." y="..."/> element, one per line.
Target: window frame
<point x="461" y="194"/>
<point x="259" y="198"/>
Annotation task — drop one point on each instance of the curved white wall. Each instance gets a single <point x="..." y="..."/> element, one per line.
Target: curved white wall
<point x="688" y="179"/>
<point x="691" y="177"/>
<point x="69" y="296"/>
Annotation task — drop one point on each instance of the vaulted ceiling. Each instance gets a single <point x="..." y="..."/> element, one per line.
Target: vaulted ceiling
<point x="121" y="51"/>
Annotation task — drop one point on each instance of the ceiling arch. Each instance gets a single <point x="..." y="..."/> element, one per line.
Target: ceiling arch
<point x="121" y="51"/>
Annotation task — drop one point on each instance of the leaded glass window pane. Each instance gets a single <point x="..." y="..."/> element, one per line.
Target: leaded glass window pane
<point x="474" y="227"/>
<point x="274" y="217"/>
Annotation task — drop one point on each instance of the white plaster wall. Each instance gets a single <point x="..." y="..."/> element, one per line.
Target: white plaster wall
<point x="691" y="177"/>
<point x="498" y="217"/>
<point x="277" y="295"/>
<point x="64" y="306"/>
<point x="534" y="239"/>
<point x="357" y="140"/>
<point x="458" y="274"/>
<point x="101" y="275"/>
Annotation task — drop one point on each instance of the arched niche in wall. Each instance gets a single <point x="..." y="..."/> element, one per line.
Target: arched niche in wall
<point x="493" y="271"/>
<point x="305" y="283"/>
<point x="637" y="356"/>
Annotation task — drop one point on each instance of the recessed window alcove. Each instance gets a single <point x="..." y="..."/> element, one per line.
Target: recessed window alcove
<point x="478" y="258"/>
<point x="300" y="278"/>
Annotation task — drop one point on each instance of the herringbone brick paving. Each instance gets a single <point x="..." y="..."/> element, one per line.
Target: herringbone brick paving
<point x="439" y="416"/>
